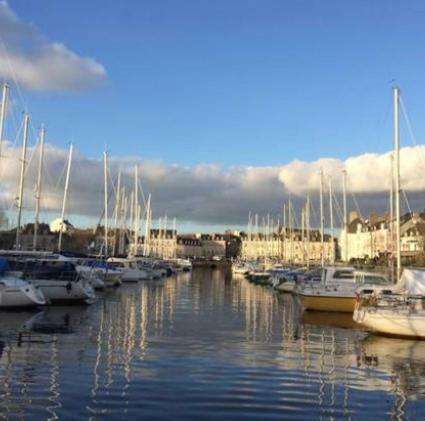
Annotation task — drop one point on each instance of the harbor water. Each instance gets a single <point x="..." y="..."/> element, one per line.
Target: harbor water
<point x="202" y="345"/>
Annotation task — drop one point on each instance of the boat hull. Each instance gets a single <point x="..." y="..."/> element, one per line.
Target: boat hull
<point x="11" y="297"/>
<point x="389" y="322"/>
<point x="66" y="292"/>
<point x="327" y="303"/>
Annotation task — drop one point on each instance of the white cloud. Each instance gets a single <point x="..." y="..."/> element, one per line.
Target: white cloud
<point x="215" y="194"/>
<point x="40" y="64"/>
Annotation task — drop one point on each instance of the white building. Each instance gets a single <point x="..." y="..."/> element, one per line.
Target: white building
<point x="58" y="224"/>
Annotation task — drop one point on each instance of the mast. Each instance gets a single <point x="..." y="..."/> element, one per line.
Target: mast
<point x="117" y="210"/>
<point x="132" y="217"/>
<point x="344" y="205"/>
<point x="148" y="216"/>
<point x="284" y="232"/>
<point x="303" y="233"/>
<point x="21" y="181"/>
<point x="123" y="224"/>
<point x="65" y="195"/>
<point x="3" y="110"/>
<point x="291" y="239"/>
<point x="105" y="180"/>
<point x="322" y="222"/>
<point x="136" y="210"/>
<point x="331" y="219"/>
<point x="397" y="177"/>
<point x="38" y="190"/>
<point x="307" y="223"/>
<point x="175" y="236"/>
<point x="391" y="224"/>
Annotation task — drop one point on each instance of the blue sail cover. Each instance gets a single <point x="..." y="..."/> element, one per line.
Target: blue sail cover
<point x="4" y="265"/>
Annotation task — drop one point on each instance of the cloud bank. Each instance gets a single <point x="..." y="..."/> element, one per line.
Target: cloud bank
<point x="37" y="63"/>
<point x="214" y="194"/>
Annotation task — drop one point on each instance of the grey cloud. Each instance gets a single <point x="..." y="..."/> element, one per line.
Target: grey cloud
<point x="210" y="193"/>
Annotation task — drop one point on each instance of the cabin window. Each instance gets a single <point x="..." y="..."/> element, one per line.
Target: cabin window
<point x="343" y="274"/>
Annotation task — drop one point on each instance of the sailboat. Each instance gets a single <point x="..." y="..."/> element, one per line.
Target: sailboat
<point x="399" y="311"/>
<point x="338" y="289"/>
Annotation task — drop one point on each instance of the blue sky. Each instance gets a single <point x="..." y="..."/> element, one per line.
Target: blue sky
<point x="234" y="82"/>
<point x="221" y="89"/>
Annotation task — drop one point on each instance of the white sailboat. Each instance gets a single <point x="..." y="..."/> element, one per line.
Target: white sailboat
<point x="58" y="280"/>
<point x="399" y="312"/>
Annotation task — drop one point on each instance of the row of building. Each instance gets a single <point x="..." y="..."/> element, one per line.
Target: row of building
<point x="364" y="239"/>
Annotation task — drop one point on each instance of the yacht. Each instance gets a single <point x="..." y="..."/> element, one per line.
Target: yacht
<point x="398" y="310"/>
<point x="338" y="289"/>
<point x="58" y="280"/>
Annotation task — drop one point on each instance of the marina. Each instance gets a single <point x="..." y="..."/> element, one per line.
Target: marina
<point x="201" y="345"/>
<point x="211" y="210"/>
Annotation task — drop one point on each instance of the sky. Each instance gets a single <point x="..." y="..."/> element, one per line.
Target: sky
<point x="229" y="106"/>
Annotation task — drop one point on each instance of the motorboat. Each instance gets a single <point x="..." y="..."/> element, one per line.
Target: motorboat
<point x="337" y="289"/>
<point x="398" y="310"/>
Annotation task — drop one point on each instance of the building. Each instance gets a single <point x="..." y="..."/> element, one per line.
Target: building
<point x="373" y="238"/>
<point x="58" y="224"/>
<point x="201" y="245"/>
<point x="291" y="247"/>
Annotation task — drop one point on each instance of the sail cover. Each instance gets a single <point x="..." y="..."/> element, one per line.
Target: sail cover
<point x="413" y="281"/>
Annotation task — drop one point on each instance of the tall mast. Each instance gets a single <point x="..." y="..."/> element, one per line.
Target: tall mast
<point x="307" y="223"/>
<point x="136" y="209"/>
<point x="344" y="206"/>
<point x="21" y="180"/>
<point x="331" y="218"/>
<point x="117" y="210"/>
<point x="303" y="233"/>
<point x="132" y="217"/>
<point x="291" y="239"/>
<point x="123" y="224"/>
<point x="3" y="110"/>
<point x="147" y="226"/>
<point x="397" y="177"/>
<point x="174" y="236"/>
<point x="105" y="181"/>
<point x="38" y="190"/>
<point x="391" y="222"/>
<point x="322" y="221"/>
<point x="65" y="195"/>
<point x="284" y="233"/>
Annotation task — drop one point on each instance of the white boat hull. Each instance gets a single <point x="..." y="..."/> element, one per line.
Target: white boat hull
<point x="392" y="321"/>
<point x="26" y="296"/>
<point x="57" y="291"/>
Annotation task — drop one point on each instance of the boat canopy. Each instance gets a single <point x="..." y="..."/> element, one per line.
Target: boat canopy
<point x="4" y="265"/>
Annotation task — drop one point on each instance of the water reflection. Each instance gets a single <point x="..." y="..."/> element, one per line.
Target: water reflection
<point x="202" y="346"/>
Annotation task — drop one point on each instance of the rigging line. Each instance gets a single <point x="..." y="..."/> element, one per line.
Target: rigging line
<point x="139" y="184"/>
<point x="407" y="201"/>
<point x="356" y="204"/>
<point x="316" y="221"/>
<point x="408" y="123"/>
<point x="61" y="175"/>
<point x="338" y="208"/>
<point x="12" y="71"/>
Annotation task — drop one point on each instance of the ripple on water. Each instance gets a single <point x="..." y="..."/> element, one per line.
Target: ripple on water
<point x="202" y="347"/>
